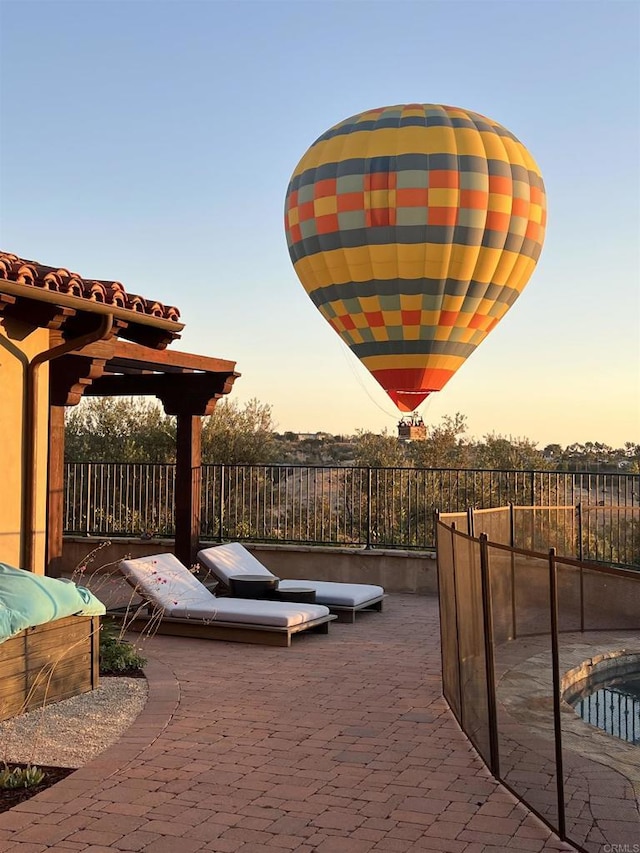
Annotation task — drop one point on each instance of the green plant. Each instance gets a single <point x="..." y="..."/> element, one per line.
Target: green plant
<point x="21" y="777"/>
<point x="117" y="655"/>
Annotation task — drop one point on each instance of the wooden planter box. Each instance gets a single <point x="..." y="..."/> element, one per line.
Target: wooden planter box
<point x="47" y="663"/>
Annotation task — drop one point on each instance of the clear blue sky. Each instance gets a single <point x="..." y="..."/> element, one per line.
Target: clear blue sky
<point x="152" y="143"/>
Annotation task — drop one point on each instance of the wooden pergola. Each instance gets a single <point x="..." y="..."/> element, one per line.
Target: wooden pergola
<point x="188" y="386"/>
<point x="107" y="342"/>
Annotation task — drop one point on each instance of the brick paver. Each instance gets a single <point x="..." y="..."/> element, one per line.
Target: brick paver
<point x="339" y="743"/>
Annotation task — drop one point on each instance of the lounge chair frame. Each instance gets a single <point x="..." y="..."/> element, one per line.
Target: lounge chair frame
<point x="234" y="632"/>
<point x="348" y="614"/>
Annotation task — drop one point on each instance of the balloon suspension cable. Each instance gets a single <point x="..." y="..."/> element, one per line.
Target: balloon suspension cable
<point x="344" y="348"/>
<point x="425" y="406"/>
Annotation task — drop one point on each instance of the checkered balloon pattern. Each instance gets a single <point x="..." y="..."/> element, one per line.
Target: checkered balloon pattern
<point x="414" y="229"/>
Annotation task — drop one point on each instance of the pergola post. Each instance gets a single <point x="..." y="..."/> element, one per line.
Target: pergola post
<point x="55" y="504"/>
<point x="188" y="487"/>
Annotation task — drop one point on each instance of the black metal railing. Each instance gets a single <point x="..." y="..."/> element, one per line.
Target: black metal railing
<point x="373" y="507"/>
<point x="112" y="498"/>
<point x="614" y="710"/>
<point x="505" y="616"/>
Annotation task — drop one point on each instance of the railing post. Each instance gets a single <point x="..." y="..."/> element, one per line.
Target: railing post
<point x="580" y="559"/>
<point x="512" y="545"/>
<point x="470" y="521"/>
<point x="487" y="618"/>
<point x="555" y="665"/>
<point x="580" y="545"/>
<point x="87" y="529"/>
<point x="368" y="545"/>
<point x="221" y="495"/>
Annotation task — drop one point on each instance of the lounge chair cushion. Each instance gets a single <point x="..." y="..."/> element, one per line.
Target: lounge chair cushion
<point x="338" y="594"/>
<point x="277" y="614"/>
<point x="163" y="580"/>
<point x="225" y="561"/>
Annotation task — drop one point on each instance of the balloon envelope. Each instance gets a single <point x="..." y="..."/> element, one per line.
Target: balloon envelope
<point x="413" y="229"/>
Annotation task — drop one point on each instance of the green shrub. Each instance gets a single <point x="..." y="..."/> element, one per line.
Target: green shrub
<point x="21" y="777"/>
<point x="117" y="656"/>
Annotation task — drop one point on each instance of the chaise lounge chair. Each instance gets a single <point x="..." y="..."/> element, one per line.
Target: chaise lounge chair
<point x="188" y="608"/>
<point x="343" y="599"/>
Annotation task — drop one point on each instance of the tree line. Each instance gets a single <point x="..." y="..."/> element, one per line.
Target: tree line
<point x="106" y="429"/>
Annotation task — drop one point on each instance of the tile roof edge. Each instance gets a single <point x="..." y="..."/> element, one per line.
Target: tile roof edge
<point x="59" y="283"/>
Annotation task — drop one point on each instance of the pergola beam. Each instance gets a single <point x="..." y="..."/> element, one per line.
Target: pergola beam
<point x="180" y="393"/>
<point x="135" y="356"/>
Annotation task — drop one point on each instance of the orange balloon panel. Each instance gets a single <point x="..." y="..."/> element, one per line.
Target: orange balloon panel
<point x="414" y="229"/>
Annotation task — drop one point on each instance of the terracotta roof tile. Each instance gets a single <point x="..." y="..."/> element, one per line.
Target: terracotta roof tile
<point x="33" y="274"/>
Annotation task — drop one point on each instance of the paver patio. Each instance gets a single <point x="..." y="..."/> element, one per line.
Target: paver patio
<point x="339" y="744"/>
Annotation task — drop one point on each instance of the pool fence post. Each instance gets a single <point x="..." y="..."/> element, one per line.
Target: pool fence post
<point x="487" y="616"/>
<point x="555" y="664"/>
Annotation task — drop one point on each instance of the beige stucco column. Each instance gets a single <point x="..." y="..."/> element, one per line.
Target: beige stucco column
<point x="19" y="343"/>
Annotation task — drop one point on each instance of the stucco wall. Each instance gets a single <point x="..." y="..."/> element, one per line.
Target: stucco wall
<point x="396" y="571"/>
<point x="18" y="345"/>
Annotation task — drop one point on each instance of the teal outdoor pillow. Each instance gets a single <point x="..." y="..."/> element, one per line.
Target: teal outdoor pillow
<point x="27" y="600"/>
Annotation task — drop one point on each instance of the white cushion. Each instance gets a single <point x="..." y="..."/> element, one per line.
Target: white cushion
<point x="229" y="560"/>
<point x="249" y="611"/>
<point x="225" y="561"/>
<point x="338" y="594"/>
<point x="163" y="580"/>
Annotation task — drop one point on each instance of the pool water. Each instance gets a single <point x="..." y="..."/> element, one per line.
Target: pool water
<point x="614" y="708"/>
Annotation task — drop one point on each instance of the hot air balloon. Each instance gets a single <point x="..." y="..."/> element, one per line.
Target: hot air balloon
<point x="414" y="229"/>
